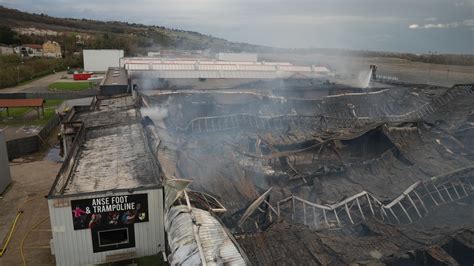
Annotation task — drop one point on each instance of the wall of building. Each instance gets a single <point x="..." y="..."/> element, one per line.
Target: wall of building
<point x="6" y="50"/>
<point x="101" y="60"/>
<point x="245" y="57"/>
<point x="113" y="89"/>
<point x="75" y="247"/>
<point x="51" y="49"/>
<point x="5" y="176"/>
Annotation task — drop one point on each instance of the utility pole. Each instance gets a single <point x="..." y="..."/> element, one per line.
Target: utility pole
<point x="429" y="68"/>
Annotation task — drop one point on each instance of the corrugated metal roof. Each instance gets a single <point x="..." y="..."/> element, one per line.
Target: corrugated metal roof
<point x="216" y="245"/>
<point x="149" y="60"/>
<point x="195" y="74"/>
<point x="21" y="102"/>
<point x="225" y="71"/>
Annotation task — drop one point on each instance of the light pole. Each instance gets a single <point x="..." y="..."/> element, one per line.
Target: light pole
<point x="18" y="73"/>
<point x="429" y="68"/>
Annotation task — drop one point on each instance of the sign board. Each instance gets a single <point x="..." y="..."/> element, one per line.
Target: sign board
<point x="109" y="211"/>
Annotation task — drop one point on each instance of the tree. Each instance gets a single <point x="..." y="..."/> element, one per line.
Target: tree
<point x="7" y="36"/>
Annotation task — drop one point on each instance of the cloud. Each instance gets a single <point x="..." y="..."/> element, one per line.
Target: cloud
<point x="349" y="24"/>
<point x="468" y="23"/>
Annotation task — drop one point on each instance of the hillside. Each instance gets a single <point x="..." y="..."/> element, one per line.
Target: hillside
<point x="138" y="39"/>
<point x="134" y="38"/>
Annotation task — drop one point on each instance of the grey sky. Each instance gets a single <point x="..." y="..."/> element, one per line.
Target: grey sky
<point x="445" y="26"/>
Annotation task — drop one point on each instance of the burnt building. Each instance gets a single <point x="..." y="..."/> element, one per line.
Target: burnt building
<point x="277" y="170"/>
<point x="300" y="178"/>
<point x="106" y="203"/>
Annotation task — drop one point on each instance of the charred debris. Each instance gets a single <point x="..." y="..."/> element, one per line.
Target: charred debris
<point x="380" y="175"/>
<point x="356" y="176"/>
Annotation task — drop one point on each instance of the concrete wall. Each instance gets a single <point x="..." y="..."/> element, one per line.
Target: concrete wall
<point x="74" y="247"/>
<point x="23" y="146"/>
<point x="101" y="60"/>
<point x="5" y="176"/>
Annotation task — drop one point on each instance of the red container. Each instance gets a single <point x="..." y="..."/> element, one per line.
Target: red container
<point x="81" y="76"/>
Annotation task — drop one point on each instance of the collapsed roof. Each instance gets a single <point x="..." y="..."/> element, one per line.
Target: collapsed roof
<point x="356" y="168"/>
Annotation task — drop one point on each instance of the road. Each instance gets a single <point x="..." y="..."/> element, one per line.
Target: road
<point x="39" y="84"/>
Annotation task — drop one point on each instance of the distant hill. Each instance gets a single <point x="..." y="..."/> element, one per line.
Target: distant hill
<point x="138" y="39"/>
<point x="134" y="38"/>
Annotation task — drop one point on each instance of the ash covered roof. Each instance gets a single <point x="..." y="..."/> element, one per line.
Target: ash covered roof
<point x="116" y="76"/>
<point x="111" y="151"/>
<point x="112" y="158"/>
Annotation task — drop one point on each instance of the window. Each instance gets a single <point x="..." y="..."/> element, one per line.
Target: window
<point x="105" y="238"/>
<point x="113" y="237"/>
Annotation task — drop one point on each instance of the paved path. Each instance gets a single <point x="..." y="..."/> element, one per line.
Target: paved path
<point x="41" y="83"/>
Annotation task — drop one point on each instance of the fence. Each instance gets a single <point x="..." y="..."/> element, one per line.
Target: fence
<point x="50" y="95"/>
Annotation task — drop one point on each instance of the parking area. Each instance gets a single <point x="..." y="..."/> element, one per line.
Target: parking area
<point x="32" y="178"/>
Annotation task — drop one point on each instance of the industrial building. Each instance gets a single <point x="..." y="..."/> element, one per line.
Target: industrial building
<point x="99" y="60"/>
<point x="115" y="82"/>
<point x="180" y="73"/>
<point x="243" y="57"/>
<point x="106" y="203"/>
<point x="266" y="163"/>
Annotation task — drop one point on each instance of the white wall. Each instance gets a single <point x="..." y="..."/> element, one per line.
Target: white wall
<point x="237" y="57"/>
<point x="6" y="50"/>
<point x="101" y="60"/>
<point x="74" y="247"/>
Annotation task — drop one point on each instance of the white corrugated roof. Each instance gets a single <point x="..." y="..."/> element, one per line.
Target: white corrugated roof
<point x="217" y="246"/>
<point x="154" y="60"/>
<point x="181" y="69"/>
<point x="195" y="74"/>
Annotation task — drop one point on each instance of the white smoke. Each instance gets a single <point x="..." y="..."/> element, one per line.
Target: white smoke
<point x="157" y="114"/>
<point x="465" y="23"/>
<point x="364" y="79"/>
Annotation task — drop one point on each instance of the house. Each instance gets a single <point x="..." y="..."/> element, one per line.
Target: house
<point x="31" y="50"/>
<point x="51" y="49"/>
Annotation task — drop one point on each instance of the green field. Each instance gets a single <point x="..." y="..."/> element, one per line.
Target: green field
<point x="70" y="86"/>
<point x="17" y="114"/>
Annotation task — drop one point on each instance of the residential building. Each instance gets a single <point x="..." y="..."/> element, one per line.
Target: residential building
<point x="52" y="49"/>
<point x="31" y="50"/>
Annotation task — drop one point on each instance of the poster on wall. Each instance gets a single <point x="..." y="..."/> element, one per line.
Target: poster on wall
<point x="109" y="211"/>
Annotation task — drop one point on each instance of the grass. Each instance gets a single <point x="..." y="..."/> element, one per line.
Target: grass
<point x="18" y="114"/>
<point x="70" y="86"/>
